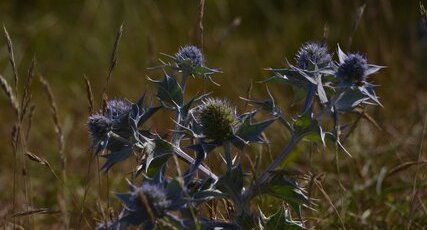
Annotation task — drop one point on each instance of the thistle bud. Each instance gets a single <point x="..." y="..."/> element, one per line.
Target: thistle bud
<point x="313" y="54"/>
<point x="217" y="119"/>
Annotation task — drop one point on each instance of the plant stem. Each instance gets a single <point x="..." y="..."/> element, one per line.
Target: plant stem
<point x="184" y="81"/>
<point x="185" y="157"/>
<point x="285" y="123"/>
<point x="176" y="138"/>
<point x="264" y="175"/>
<point x="280" y="158"/>
<point x="227" y="154"/>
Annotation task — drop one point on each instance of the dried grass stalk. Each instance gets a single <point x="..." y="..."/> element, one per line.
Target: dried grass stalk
<point x="201" y="14"/>
<point x="35" y="211"/>
<point x="30" y="121"/>
<point x="11" y="56"/>
<point x="26" y="97"/>
<point x="9" y="93"/>
<point x="113" y="60"/>
<point x="89" y="95"/>
<point x="54" y="111"/>
<point x="60" y="137"/>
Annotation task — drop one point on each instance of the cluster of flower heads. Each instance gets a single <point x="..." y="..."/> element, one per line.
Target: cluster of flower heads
<point x="144" y="204"/>
<point x="214" y="123"/>
<point x="352" y="68"/>
<point x="100" y="124"/>
<point x="315" y="71"/>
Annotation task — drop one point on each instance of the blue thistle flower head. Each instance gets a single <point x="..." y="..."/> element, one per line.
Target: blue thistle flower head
<point x="313" y="53"/>
<point x="217" y="118"/>
<point x="189" y="57"/>
<point x="149" y="198"/>
<point x="99" y="126"/>
<point x="118" y="108"/>
<point x="353" y="69"/>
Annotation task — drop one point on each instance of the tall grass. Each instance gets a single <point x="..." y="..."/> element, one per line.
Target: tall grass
<point x="382" y="185"/>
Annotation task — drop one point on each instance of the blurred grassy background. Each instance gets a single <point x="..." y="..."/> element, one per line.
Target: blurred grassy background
<point x="73" y="38"/>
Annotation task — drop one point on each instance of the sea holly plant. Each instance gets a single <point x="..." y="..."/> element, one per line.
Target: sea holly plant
<point x="189" y="61"/>
<point x="203" y="125"/>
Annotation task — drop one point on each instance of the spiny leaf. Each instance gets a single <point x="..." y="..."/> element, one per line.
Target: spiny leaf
<point x="158" y="156"/>
<point x="349" y="100"/>
<point x="169" y="92"/>
<point x="278" y="185"/>
<point x="281" y="220"/>
<point x="116" y="157"/>
<point x="251" y="132"/>
<point x="232" y="183"/>
<point x="207" y="195"/>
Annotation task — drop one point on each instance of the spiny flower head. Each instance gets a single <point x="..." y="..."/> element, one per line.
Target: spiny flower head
<point x="217" y="118"/>
<point x="190" y="54"/>
<point x="353" y="69"/>
<point x="118" y="108"/>
<point x="313" y="53"/>
<point x="99" y="126"/>
<point x="155" y="196"/>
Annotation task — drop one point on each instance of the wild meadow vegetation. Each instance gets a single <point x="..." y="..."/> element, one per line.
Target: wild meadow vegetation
<point x="213" y="115"/>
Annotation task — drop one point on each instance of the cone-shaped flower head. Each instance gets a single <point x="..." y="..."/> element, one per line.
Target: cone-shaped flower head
<point x="189" y="57"/>
<point x="313" y="54"/>
<point x="353" y="69"/>
<point x="118" y="108"/>
<point x="152" y="195"/>
<point x="217" y="118"/>
<point x="99" y="126"/>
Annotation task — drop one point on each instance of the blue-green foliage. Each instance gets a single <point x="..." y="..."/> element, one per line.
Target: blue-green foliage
<point x="203" y="124"/>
